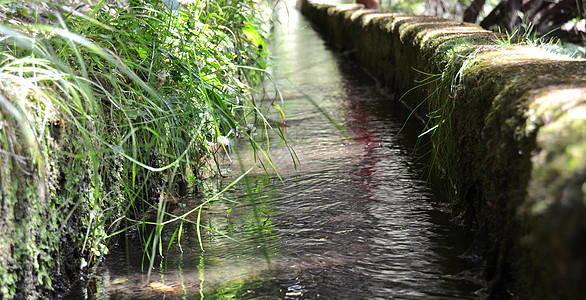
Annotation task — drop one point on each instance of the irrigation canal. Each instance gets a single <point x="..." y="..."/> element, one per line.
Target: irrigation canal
<point x="356" y="220"/>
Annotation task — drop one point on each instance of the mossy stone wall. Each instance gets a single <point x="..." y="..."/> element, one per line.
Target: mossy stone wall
<point x="510" y="141"/>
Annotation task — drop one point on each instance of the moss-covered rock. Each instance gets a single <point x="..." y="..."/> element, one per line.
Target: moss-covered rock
<point x="554" y="210"/>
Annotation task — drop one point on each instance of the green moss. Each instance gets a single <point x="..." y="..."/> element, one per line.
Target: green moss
<point x="555" y="208"/>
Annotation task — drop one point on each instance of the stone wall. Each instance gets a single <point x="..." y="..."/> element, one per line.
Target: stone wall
<point x="509" y="131"/>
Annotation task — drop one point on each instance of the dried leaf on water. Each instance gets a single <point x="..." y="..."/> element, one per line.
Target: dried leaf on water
<point x="159" y="286"/>
<point x="119" y="280"/>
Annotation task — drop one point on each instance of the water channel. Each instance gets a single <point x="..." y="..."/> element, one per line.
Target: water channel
<point x="355" y="220"/>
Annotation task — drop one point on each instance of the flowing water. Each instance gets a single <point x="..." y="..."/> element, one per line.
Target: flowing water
<point x="351" y="219"/>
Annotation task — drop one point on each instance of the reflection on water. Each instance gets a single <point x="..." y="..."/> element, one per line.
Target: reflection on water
<point x="354" y="221"/>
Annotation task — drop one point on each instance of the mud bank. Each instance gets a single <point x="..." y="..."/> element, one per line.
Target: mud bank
<point x="509" y="127"/>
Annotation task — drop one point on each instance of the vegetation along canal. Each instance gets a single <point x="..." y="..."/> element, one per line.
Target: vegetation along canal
<point x="352" y="219"/>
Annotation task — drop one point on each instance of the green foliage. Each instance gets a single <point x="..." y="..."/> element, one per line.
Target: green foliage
<point x="103" y="115"/>
<point x="457" y="57"/>
<point x="526" y="34"/>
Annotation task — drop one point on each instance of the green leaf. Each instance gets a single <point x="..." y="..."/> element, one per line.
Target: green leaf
<point x="141" y="52"/>
<point x="253" y="36"/>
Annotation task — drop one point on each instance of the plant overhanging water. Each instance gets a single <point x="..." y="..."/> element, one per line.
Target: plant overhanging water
<point x="107" y="112"/>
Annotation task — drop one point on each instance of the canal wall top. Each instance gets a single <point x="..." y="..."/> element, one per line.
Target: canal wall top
<point x="508" y="121"/>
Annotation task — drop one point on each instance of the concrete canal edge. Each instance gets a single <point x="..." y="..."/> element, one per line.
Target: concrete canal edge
<point x="511" y="143"/>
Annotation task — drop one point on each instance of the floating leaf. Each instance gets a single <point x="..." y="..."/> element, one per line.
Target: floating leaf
<point x="159" y="286"/>
<point x="119" y="280"/>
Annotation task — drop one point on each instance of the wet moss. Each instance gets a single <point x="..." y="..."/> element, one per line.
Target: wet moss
<point x="46" y="202"/>
<point x="24" y="213"/>
<point x="554" y="210"/>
